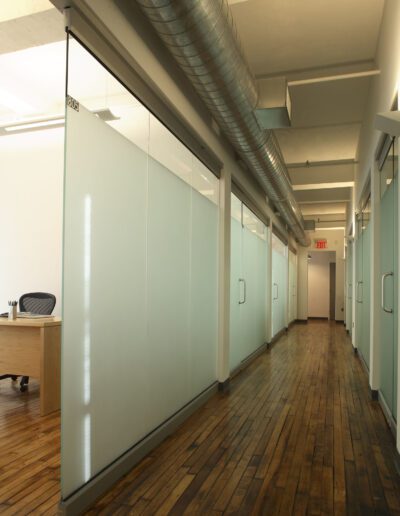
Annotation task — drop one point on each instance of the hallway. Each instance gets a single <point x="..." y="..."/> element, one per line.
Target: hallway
<point x="297" y="434"/>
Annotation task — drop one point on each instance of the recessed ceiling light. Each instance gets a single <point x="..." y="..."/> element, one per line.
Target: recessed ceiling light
<point x="33" y="125"/>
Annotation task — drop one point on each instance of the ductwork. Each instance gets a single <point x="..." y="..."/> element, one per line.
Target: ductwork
<point x="201" y="36"/>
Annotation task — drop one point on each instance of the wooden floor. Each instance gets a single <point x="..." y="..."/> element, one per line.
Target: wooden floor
<point x="29" y="453"/>
<point x="298" y="434"/>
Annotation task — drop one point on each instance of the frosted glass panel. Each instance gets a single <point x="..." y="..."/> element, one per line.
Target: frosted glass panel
<point x="140" y="277"/>
<point x="248" y="284"/>
<point x="204" y="297"/>
<point x="104" y="261"/>
<point x="168" y="274"/>
<point x="168" y="150"/>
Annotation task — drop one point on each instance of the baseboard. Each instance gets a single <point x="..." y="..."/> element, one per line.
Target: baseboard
<point x="363" y="363"/>
<point x="86" y="496"/>
<point x="388" y="415"/>
<point x="277" y="337"/>
<point x="319" y="318"/>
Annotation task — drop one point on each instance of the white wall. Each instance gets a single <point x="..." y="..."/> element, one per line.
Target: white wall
<point x="318" y="283"/>
<point x="335" y="242"/>
<point x="31" y="194"/>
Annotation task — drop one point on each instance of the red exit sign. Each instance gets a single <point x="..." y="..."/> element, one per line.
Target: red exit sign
<point x="321" y="243"/>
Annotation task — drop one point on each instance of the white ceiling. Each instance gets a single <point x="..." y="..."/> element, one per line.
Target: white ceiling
<point x="325" y="49"/>
<point x="30" y="30"/>
<point x="281" y="35"/>
<point x="329" y="102"/>
<point x="10" y="10"/>
<point x="319" y="144"/>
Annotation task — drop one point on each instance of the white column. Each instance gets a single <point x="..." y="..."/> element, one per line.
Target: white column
<point x="375" y="279"/>
<point x="224" y="275"/>
<point x="353" y="265"/>
<point x="287" y="288"/>
<point x="302" y="283"/>
<point x="398" y="312"/>
<point x="269" y="285"/>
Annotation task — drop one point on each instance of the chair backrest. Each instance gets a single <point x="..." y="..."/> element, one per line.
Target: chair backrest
<point x="37" y="303"/>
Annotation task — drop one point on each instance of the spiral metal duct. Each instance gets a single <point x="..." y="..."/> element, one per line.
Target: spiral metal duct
<point x="201" y="36"/>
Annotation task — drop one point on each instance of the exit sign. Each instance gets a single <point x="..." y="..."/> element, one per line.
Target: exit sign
<point x="320" y="243"/>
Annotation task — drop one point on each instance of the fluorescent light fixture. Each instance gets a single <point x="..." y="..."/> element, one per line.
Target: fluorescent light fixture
<point x="329" y="229"/>
<point x="323" y="186"/>
<point x="34" y="125"/>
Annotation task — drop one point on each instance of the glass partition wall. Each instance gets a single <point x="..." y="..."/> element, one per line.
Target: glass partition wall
<point x="248" y="313"/>
<point x="389" y="278"/>
<point x="139" y="276"/>
<point x="279" y="285"/>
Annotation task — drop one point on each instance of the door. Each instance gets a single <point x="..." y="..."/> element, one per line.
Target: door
<point x="389" y="281"/>
<point x="248" y="306"/>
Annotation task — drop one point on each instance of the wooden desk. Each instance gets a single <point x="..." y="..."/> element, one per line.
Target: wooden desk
<point x="32" y="347"/>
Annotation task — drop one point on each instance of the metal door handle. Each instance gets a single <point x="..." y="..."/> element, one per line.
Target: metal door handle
<point x="350" y="287"/>
<point x="357" y="291"/>
<point x="244" y="291"/>
<point x="277" y="291"/>
<point x="384" y="276"/>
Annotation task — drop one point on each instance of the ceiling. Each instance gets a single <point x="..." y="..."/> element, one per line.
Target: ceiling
<point x="325" y="50"/>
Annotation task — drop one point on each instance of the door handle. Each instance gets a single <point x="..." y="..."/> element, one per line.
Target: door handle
<point x="384" y="276"/>
<point x="357" y="292"/>
<point x="277" y="291"/>
<point x="349" y="293"/>
<point x="242" y="280"/>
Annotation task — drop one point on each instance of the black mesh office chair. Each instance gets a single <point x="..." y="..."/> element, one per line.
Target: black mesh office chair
<point x="37" y="303"/>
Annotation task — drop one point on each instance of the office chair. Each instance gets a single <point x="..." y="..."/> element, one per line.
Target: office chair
<point x="37" y="303"/>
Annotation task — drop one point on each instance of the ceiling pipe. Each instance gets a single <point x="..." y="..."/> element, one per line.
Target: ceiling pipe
<point x="201" y="36"/>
